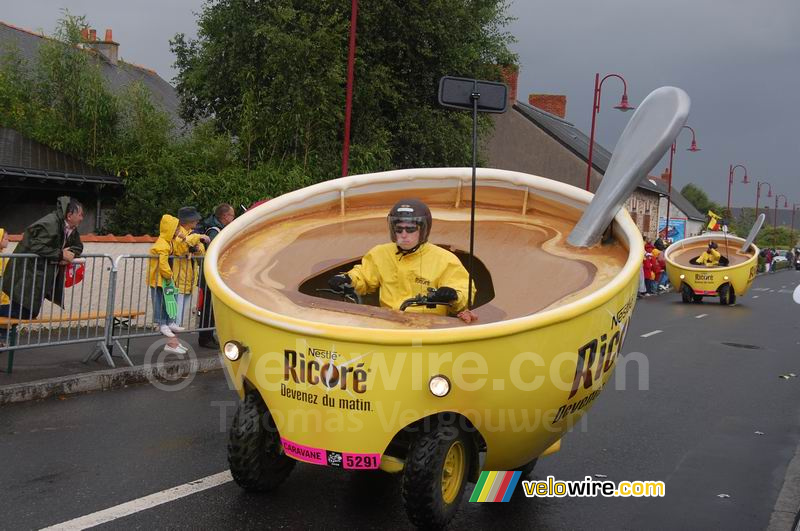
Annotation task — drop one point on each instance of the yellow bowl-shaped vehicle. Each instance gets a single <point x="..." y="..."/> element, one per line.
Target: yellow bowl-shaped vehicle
<point x="338" y="384"/>
<point x="732" y="278"/>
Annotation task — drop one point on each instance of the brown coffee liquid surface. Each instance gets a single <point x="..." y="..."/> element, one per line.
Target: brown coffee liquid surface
<point x="531" y="266"/>
<point x="684" y="256"/>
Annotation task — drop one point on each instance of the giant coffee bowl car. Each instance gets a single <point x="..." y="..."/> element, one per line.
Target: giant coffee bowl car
<point x="333" y="383"/>
<point x="732" y="278"/>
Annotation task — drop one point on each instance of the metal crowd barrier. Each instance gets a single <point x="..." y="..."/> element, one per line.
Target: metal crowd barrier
<point x="133" y="293"/>
<point x="112" y="304"/>
<point x="82" y="317"/>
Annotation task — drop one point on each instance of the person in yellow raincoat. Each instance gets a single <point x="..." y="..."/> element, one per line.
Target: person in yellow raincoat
<point x="160" y="268"/>
<point x="710" y="257"/>
<point x="187" y="245"/>
<point x="4" y="300"/>
<point x="410" y="265"/>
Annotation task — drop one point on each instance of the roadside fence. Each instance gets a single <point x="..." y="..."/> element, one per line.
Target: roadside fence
<point x="104" y="301"/>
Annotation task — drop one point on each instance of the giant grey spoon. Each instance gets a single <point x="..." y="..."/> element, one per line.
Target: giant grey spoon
<point x="650" y="132"/>
<point x="753" y="233"/>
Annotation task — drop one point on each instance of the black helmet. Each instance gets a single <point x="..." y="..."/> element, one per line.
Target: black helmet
<point x="411" y="210"/>
<point x="712" y="245"/>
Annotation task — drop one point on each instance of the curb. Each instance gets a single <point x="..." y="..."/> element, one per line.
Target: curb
<point x="786" y="513"/>
<point x="104" y="380"/>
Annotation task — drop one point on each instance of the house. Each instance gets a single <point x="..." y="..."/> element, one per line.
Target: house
<point x="116" y="71"/>
<point x="536" y="138"/>
<point x="32" y="175"/>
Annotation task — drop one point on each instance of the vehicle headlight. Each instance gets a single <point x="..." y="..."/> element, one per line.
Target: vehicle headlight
<point x="725" y="277"/>
<point x="682" y="276"/>
<point x="233" y="350"/>
<point x="439" y="386"/>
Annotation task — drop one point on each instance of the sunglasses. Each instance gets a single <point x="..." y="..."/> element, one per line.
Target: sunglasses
<point x="409" y="230"/>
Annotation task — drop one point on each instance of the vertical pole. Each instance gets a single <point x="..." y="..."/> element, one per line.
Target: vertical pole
<point x="348" y="106"/>
<point x="475" y="97"/>
<point x="669" y="190"/>
<point x="775" y="214"/>
<point x="730" y="182"/>
<point x="758" y="196"/>
<point x="595" y="110"/>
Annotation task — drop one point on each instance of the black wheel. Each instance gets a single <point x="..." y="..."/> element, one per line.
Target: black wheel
<point x="687" y="295"/>
<point x="255" y="453"/>
<point x="726" y="295"/>
<point x="435" y="476"/>
<point x="526" y="469"/>
<point x="697" y="298"/>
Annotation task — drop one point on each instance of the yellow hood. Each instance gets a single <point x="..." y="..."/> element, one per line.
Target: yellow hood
<point x="168" y="226"/>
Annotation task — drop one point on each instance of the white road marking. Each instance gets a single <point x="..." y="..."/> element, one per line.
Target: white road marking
<point x="760" y="289"/>
<point x="148" y="502"/>
<point x="701" y="316"/>
<point x="654" y="332"/>
<point x="785" y="291"/>
<point x="755" y="296"/>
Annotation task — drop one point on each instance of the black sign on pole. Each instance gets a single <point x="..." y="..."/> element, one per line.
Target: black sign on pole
<point x="456" y="93"/>
<point x="478" y="96"/>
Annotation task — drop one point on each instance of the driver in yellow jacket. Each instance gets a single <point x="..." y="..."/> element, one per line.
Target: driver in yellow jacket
<point x="710" y="256"/>
<point x="410" y="265"/>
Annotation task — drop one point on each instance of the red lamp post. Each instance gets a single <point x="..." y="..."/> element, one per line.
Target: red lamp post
<point x="692" y="148"/>
<point x="348" y="106"/>
<point x="730" y="183"/>
<point x="758" y="193"/>
<point x="775" y="214"/>
<point x="623" y="106"/>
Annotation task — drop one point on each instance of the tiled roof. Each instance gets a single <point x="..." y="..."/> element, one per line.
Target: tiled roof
<point x="25" y="158"/>
<point x="118" y="76"/>
<point x="576" y="141"/>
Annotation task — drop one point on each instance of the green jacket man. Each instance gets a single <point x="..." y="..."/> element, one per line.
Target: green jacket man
<point x="57" y="242"/>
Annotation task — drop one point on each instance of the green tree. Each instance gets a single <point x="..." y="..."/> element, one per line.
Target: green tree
<point x="272" y="74"/>
<point x="700" y="200"/>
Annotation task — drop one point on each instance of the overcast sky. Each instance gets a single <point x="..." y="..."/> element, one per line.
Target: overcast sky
<point x="739" y="61"/>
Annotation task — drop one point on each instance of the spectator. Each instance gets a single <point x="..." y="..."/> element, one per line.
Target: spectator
<point x="659" y="244"/>
<point x="57" y="242"/>
<point x="657" y="271"/>
<point x="768" y="256"/>
<point x="187" y="244"/>
<point x="5" y="309"/>
<point x="647" y="266"/>
<point x="212" y="226"/>
<point x="662" y="279"/>
<point x="161" y="275"/>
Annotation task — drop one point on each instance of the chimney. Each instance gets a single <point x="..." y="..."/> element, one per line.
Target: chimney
<point x="85" y="34"/>
<point x="107" y="47"/>
<point x="510" y="75"/>
<point x="553" y="103"/>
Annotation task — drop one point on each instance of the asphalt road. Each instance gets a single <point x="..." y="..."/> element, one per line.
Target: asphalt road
<point x="711" y="382"/>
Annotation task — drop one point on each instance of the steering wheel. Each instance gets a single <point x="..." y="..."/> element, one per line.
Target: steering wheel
<point x="348" y="294"/>
<point x="422" y="300"/>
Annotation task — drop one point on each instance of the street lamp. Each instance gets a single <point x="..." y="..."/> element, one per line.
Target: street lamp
<point x="623" y="106"/>
<point x="775" y="214"/>
<point x="758" y="193"/>
<point x="794" y="207"/>
<point x="730" y="183"/>
<point x="693" y="148"/>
